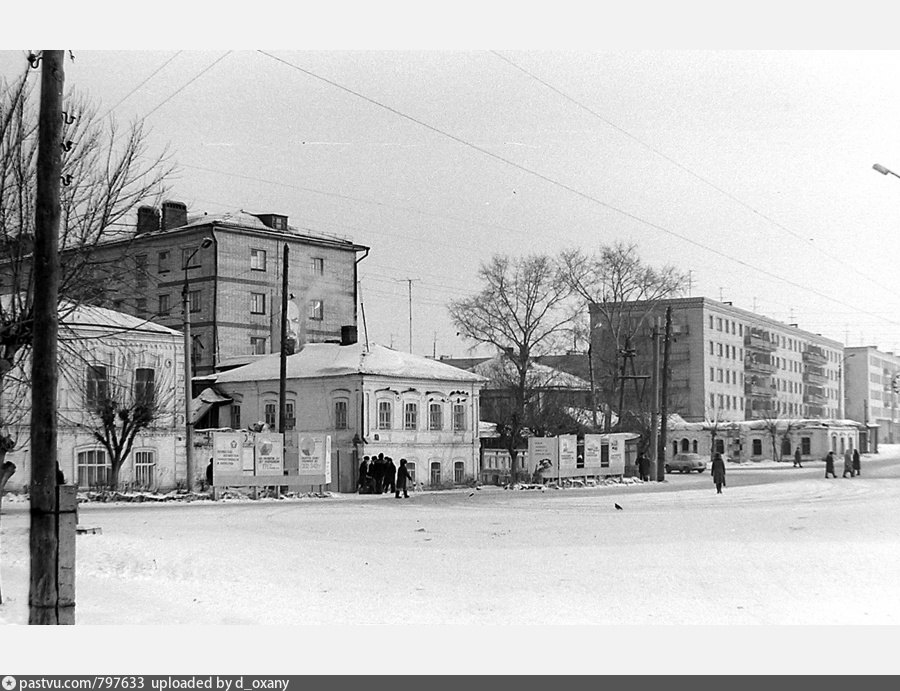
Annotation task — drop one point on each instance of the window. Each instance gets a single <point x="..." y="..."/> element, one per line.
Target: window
<point x="97" y="390"/>
<point x="459" y="472"/>
<point x="318" y="266"/>
<point x="685" y="446"/>
<point x="385" y="411"/>
<point x="144" y="386"/>
<point x="806" y="445"/>
<point x="340" y="414"/>
<point x="140" y="306"/>
<point x="190" y="258"/>
<point x="194" y="301"/>
<point x="257" y="303"/>
<point x="694" y="446"/>
<point x="257" y="345"/>
<point x="163" y="305"/>
<point x="435" y="474"/>
<point x="718" y="324"/>
<point x="92" y="468"/>
<point x="719" y="349"/>
<point x="757" y="447"/>
<point x="712" y="373"/>
<point x="140" y="271"/>
<point x="162" y="262"/>
<point x="712" y="348"/>
<point x="459" y="417"/>
<point x="144" y="469"/>
<point x="435" y="416"/>
<point x="710" y="321"/>
<point x="411" y="469"/>
<point x="257" y="260"/>
<point x="315" y="310"/>
<point x="712" y="401"/>
<point x="410" y="416"/>
<point x="290" y="421"/>
<point x="269" y="413"/>
<point x="235" y="416"/>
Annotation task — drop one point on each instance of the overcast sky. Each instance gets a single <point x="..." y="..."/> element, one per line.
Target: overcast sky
<point x="753" y="170"/>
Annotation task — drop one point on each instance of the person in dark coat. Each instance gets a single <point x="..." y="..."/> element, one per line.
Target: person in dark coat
<point x="856" y="461"/>
<point x="848" y="463"/>
<point x="644" y="466"/>
<point x="364" y="474"/>
<point x="402" y="477"/>
<point x="209" y="473"/>
<point x="829" y="465"/>
<point x="60" y="478"/>
<point x="378" y="473"/>
<point x="797" y="458"/>
<point x="390" y="475"/>
<point x="718" y="472"/>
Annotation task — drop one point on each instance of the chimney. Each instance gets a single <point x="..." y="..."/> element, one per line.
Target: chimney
<point x="147" y="219"/>
<point x="348" y="335"/>
<point x="174" y="214"/>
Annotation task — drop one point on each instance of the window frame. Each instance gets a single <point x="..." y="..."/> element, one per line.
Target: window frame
<point x="315" y="310"/>
<point x="96" y="471"/>
<point x="257" y="254"/>
<point x="257" y="303"/>
<point x="433" y="407"/>
<point x="385" y="414"/>
<point x="255" y="341"/>
<point x="341" y="409"/>
<point x="410" y="422"/>
<point x="96" y="387"/>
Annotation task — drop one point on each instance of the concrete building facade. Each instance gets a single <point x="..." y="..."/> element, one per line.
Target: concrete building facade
<point x="869" y="396"/>
<point x="232" y="265"/>
<point x="730" y="364"/>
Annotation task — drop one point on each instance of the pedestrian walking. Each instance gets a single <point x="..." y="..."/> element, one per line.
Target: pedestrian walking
<point x="644" y="466"/>
<point x="848" y="463"/>
<point x="402" y="477"/>
<point x="390" y="475"/>
<point x="718" y="472"/>
<point x="829" y="465"/>
<point x="797" y="458"/>
<point x="378" y="473"/>
<point x="365" y="475"/>
<point x="856" y="461"/>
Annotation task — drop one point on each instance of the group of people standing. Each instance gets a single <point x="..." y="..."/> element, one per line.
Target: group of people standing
<point x="378" y="475"/>
<point x="851" y="463"/>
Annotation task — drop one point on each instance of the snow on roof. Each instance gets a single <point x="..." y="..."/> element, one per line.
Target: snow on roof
<point x="500" y="369"/>
<point x="333" y="360"/>
<point x="90" y="315"/>
<point x="781" y="424"/>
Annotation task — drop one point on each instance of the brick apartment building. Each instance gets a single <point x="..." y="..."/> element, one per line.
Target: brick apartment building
<point x="232" y="265"/>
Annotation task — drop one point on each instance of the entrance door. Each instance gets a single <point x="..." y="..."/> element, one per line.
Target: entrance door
<point x="435" y="474"/>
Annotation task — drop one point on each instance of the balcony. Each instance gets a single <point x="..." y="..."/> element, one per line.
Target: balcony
<point x="814" y="399"/>
<point x="759" y="391"/>
<point x="814" y="355"/>
<point x="815" y="377"/>
<point x="760" y="340"/>
<point x="754" y="363"/>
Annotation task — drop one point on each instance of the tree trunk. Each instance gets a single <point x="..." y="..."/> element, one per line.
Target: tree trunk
<point x="7" y="468"/>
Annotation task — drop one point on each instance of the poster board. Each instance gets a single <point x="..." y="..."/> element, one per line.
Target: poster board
<point x="568" y="452"/>
<point x="269" y="454"/>
<point x="543" y="455"/>
<point x="594" y="458"/>
<point x="617" y="454"/>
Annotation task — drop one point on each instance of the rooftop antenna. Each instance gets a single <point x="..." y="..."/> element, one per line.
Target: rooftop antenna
<point x="362" y="309"/>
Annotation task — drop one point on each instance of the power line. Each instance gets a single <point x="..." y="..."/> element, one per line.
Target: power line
<point x="147" y="79"/>
<point x="188" y="83"/>
<point x="690" y="172"/>
<point x="562" y="185"/>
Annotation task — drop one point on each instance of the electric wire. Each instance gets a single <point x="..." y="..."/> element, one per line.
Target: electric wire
<point x="147" y="79"/>
<point x="569" y="188"/>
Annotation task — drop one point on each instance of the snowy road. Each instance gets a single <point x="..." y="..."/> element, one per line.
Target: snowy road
<point x="780" y="546"/>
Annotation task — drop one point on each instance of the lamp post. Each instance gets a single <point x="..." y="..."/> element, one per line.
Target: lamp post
<point x="188" y="374"/>
<point x="884" y="171"/>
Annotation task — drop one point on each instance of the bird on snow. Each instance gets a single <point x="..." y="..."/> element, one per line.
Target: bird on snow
<point x="618" y="508"/>
<point x="471" y="494"/>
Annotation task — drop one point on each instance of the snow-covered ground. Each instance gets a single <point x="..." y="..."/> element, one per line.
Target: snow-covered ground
<point x="797" y="550"/>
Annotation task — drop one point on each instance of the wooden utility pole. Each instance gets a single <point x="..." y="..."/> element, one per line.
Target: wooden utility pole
<point x="664" y="401"/>
<point x="51" y="597"/>
<point x="282" y="373"/>
<point x="593" y="385"/>
<point x="654" y="402"/>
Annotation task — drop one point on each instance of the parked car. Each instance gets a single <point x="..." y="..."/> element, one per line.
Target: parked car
<point x="686" y="462"/>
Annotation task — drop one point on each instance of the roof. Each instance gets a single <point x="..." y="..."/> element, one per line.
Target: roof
<point x="115" y="322"/>
<point x="317" y="360"/>
<point x="500" y="370"/>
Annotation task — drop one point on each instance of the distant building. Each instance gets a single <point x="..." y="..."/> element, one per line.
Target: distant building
<point x="729" y="364"/>
<point x="370" y="400"/>
<point x="232" y="265"/>
<point x="869" y="376"/>
<point x="99" y="349"/>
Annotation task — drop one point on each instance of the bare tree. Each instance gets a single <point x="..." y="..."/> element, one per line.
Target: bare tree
<point x="117" y="395"/>
<point x="779" y="429"/>
<point x="522" y="311"/>
<point x="107" y="171"/>
<point x="624" y="292"/>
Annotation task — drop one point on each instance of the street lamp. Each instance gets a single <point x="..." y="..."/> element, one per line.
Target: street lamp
<point x="188" y="374"/>
<point x="884" y="171"/>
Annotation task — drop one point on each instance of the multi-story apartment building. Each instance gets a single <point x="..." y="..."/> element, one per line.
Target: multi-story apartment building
<point x="869" y="395"/>
<point x="728" y="363"/>
<point x="230" y="267"/>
